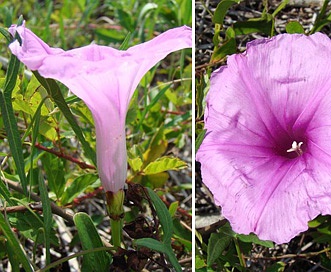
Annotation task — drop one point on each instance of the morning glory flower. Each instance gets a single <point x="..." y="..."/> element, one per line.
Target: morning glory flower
<point x="105" y="79"/>
<point x="266" y="156"/>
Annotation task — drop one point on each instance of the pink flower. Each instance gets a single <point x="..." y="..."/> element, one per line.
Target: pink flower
<point x="105" y="79"/>
<point x="266" y="155"/>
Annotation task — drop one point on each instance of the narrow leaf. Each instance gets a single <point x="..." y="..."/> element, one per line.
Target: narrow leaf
<point x="14" y="244"/>
<point x="88" y="235"/>
<point x="5" y="193"/>
<point x="160" y="247"/>
<point x="281" y="6"/>
<point x="6" y="34"/>
<point x="47" y="215"/>
<point x="151" y="244"/>
<point x="163" y="215"/>
<point x="199" y="139"/>
<point x="10" y="122"/>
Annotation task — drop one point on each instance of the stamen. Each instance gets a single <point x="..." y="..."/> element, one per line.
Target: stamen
<point x="296" y="148"/>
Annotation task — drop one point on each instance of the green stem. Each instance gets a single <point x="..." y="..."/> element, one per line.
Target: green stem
<point x="116" y="232"/>
<point x="240" y="255"/>
<point x="116" y="213"/>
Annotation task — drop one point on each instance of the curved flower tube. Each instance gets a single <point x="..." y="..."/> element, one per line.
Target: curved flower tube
<point x="105" y="79"/>
<point x="266" y="155"/>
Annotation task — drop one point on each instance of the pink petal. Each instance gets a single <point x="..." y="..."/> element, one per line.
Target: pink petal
<point x="105" y="79"/>
<point x="275" y="93"/>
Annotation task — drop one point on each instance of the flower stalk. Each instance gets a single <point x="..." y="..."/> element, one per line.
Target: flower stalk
<point x="116" y="213"/>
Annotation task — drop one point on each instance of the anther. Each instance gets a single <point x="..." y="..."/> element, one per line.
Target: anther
<point x="296" y="148"/>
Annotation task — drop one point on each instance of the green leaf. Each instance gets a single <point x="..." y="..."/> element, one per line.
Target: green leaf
<point x="147" y="8"/>
<point x="222" y="9"/>
<point x="294" y="27"/>
<point x="10" y="121"/>
<point x="88" y="235"/>
<point x="217" y="243"/>
<point x="155" y="180"/>
<point x="110" y="35"/>
<point x="185" y="12"/>
<point x="261" y="25"/>
<point x="151" y="244"/>
<point x="317" y="221"/>
<point x="126" y="20"/>
<point x="163" y="215"/>
<point x="125" y="43"/>
<point x="47" y="214"/>
<point x="55" y="175"/>
<point x="276" y="267"/>
<point x="199" y="139"/>
<point x="6" y="193"/>
<point x="156" y="147"/>
<point x="167" y="227"/>
<point x="14" y="244"/>
<point x="281" y="6"/>
<point x="153" y="102"/>
<point x="54" y="91"/>
<point x="78" y="186"/>
<point x="173" y="208"/>
<point x="15" y="264"/>
<point x="228" y="47"/>
<point x="199" y="262"/>
<point x="6" y="34"/>
<point x="135" y="164"/>
<point x="160" y="247"/>
<point x="182" y="232"/>
<point x="164" y="164"/>
<point x="252" y="238"/>
<point x="322" y="19"/>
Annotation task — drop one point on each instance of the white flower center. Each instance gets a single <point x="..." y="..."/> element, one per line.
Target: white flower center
<point x="296" y="148"/>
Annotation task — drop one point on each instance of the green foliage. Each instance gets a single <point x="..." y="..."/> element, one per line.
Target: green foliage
<point x="17" y="255"/>
<point x="226" y="247"/>
<point x="167" y="227"/>
<point x="222" y="9"/>
<point x="90" y="239"/>
<point x="294" y="27"/>
<point x="218" y="242"/>
<point x="10" y="122"/>
<point x="78" y="186"/>
<point x="323" y="19"/>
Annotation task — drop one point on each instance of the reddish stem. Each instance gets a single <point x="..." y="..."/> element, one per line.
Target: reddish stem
<point x="81" y="164"/>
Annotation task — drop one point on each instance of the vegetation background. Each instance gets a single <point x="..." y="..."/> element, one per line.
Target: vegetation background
<point x="36" y="219"/>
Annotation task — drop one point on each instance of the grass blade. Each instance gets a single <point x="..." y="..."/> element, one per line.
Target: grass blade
<point x="14" y="244"/>
<point x="10" y="122"/>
